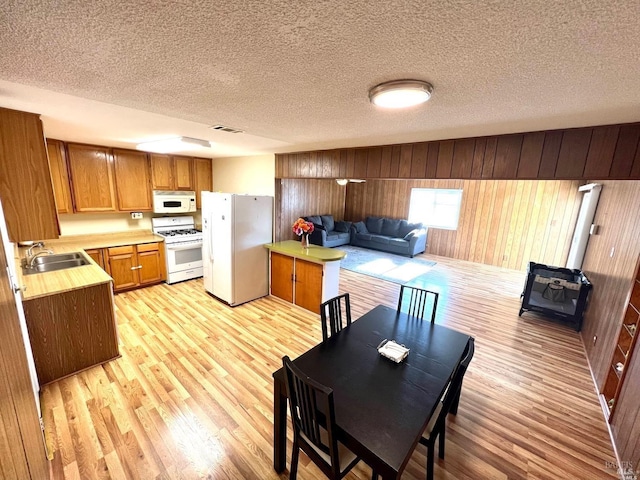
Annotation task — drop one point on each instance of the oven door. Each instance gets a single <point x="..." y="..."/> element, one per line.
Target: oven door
<point x="184" y="256"/>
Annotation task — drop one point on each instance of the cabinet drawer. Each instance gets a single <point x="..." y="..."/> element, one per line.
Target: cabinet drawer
<point x="148" y="247"/>
<point x="127" y="249"/>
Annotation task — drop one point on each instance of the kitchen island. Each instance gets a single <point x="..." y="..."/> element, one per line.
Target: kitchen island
<point x="304" y="276"/>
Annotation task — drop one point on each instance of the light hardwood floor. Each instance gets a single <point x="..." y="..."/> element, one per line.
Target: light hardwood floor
<point x="191" y="396"/>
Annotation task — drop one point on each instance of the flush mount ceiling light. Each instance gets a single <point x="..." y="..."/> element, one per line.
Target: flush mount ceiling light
<point x="343" y="181"/>
<point x="175" y="144"/>
<point x="400" y="93"/>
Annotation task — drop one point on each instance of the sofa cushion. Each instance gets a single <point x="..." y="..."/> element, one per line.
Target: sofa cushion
<point x="327" y="221"/>
<point x="360" y="227"/>
<point x="374" y="224"/>
<point x="366" y="237"/>
<point x="390" y="227"/>
<point x="382" y="239"/>
<point x="398" y="242"/>
<point x="314" y="219"/>
<point x="342" y="227"/>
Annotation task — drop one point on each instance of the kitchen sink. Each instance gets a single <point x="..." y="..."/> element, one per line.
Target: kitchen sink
<point x="55" y="262"/>
<point x="58" y="257"/>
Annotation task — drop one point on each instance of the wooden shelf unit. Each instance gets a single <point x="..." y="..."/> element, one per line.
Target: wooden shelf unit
<point x="623" y="350"/>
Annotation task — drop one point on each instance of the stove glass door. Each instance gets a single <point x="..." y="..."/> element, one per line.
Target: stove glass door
<point x="184" y="256"/>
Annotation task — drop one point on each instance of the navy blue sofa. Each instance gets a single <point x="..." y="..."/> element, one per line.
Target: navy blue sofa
<point x="390" y="235"/>
<point x="327" y="232"/>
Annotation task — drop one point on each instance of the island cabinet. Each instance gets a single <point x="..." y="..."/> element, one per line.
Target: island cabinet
<point x="171" y="172"/>
<point x="304" y="276"/>
<point x="71" y="331"/>
<point x="133" y="266"/>
<point x="26" y="189"/>
<point x="624" y="349"/>
<point x="92" y="178"/>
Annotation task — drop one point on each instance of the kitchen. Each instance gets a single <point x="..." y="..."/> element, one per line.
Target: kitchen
<point x="144" y="233"/>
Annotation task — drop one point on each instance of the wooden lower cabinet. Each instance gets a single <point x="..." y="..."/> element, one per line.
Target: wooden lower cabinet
<point x="133" y="266"/>
<point x="71" y="331"/>
<point x="303" y="283"/>
<point x="96" y="255"/>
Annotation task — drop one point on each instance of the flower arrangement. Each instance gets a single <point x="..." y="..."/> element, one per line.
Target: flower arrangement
<point x="302" y="227"/>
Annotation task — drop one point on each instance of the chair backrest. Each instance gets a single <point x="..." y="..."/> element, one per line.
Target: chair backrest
<point x="312" y="411"/>
<point x="456" y="382"/>
<point x="417" y="301"/>
<point x="333" y="313"/>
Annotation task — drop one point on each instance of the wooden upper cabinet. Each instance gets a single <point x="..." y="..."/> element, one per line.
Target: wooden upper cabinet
<point x="182" y="173"/>
<point x="60" y="176"/>
<point x="161" y="172"/>
<point x="171" y="172"/>
<point x="133" y="180"/>
<point x="26" y="189"/>
<point x="202" y="177"/>
<point x="92" y="178"/>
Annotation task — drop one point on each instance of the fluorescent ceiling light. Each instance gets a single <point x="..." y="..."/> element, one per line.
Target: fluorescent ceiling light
<point x="342" y="181"/>
<point x="400" y="93"/>
<point x="175" y="144"/>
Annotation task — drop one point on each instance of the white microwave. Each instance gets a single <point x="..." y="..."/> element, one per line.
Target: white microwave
<point x="174" y="201"/>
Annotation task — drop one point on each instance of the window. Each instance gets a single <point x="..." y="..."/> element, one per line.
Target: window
<point x="435" y="207"/>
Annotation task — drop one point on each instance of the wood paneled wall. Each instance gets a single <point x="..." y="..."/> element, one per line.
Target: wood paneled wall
<point x="502" y="222"/>
<point x="299" y="198"/>
<point x="606" y="152"/>
<point x="618" y="218"/>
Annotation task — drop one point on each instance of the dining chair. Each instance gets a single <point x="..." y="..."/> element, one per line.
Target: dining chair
<point x="418" y="300"/>
<point x="437" y="424"/>
<point x="338" y="317"/>
<point x="314" y="427"/>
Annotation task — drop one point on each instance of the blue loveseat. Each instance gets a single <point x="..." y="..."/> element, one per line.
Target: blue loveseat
<point x="327" y="232"/>
<point x="390" y="235"/>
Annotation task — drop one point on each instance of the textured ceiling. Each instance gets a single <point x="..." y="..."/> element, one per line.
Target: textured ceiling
<point x="295" y="74"/>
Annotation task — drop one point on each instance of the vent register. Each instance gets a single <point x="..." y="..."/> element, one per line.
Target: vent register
<point x="224" y="128"/>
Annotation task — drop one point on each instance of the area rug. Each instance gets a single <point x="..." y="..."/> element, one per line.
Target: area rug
<point x="387" y="266"/>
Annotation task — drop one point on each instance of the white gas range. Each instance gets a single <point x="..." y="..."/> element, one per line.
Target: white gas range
<point x="183" y="247"/>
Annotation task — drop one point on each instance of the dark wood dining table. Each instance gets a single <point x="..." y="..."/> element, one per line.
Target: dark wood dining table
<point x="381" y="407"/>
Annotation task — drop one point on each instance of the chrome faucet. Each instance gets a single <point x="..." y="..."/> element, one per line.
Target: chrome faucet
<point x="30" y="257"/>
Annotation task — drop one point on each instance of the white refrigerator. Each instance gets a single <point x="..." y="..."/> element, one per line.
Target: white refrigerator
<point x="235" y="229"/>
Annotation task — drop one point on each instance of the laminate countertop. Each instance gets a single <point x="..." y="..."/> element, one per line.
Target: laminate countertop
<point x="50" y="283"/>
<point x="312" y="253"/>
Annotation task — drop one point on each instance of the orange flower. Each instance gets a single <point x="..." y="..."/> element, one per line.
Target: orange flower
<point x="302" y="227"/>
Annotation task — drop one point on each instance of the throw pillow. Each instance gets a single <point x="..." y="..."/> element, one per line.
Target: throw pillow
<point x="411" y="234"/>
<point x="360" y="227"/>
<point x="327" y="221"/>
<point x="342" y="227"/>
<point x="374" y="224"/>
<point x="317" y="226"/>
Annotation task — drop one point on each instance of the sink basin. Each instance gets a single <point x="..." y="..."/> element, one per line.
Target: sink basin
<point x="52" y="263"/>
<point x="59" y="257"/>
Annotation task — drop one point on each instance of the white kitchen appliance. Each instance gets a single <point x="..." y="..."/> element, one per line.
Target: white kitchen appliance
<point x="183" y="247"/>
<point x="235" y="229"/>
<point x="165" y="201"/>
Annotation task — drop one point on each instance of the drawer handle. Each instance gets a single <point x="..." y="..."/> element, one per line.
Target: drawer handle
<point x="136" y="268"/>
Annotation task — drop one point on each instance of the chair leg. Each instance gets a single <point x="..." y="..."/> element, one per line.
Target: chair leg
<point x="441" y="445"/>
<point x="293" y="471"/>
<point x="430" y="452"/>
<point x="374" y="475"/>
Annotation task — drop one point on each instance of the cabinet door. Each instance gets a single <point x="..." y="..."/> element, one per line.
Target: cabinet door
<point x="161" y="172"/>
<point x="25" y="178"/>
<point x="308" y="285"/>
<point x="202" y="178"/>
<point x="282" y="277"/>
<point x="150" y="259"/>
<point x="60" y="176"/>
<point x="96" y="255"/>
<point x="123" y="267"/>
<point x="91" y="170"/>
<point x="182" y="173"/>
<point x="133" y="180"/>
